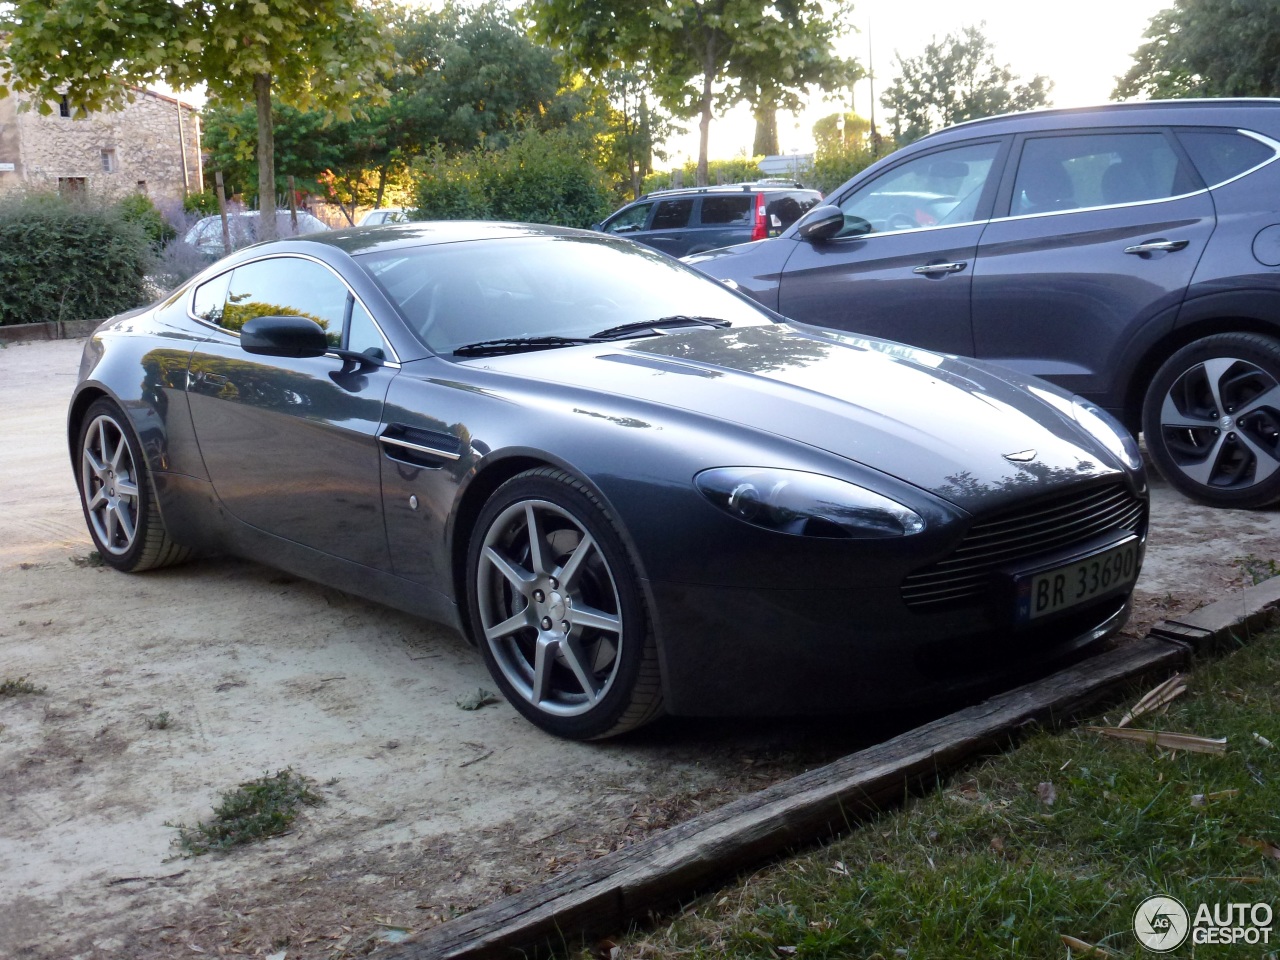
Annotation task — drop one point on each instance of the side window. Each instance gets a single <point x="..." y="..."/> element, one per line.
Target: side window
<point x="286" y="287"/>
<point x="933" y="190"/>
<point x="210" y="298"/>
<point x="672" y="214"/>
<point x="629" y="220"/>
<point x="1220" y="155"/>
<point x="1096" y="170"/>
<point x="786" y="209"/>
<point x="363" y="335"/>
<point x="722" y="210"/>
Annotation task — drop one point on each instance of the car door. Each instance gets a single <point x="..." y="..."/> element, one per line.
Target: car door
<point x="669" y="228"/>
<point x="1100" y="234"/>
<point x="290" y="444"/>
<point x="901" y="268"/>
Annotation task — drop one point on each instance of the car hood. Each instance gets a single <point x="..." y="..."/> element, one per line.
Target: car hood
<point x="941" y="423"/>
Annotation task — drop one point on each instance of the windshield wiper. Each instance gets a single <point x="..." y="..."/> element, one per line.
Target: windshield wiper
<point x="675" y="320"/>
<point x="493" y="348"/>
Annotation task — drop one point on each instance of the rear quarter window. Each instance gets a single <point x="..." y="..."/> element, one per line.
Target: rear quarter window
<point x="785" y="209"/>
<point x="727" y="210"/>
<point x="1219" y="155"/>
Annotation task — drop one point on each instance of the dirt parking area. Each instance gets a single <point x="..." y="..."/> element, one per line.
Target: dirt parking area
<point x="429" y="809"/>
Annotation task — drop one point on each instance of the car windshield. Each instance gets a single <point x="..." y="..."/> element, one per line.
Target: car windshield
<point x="455" y="294"/>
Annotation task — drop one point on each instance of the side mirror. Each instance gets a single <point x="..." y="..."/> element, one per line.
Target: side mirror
<point x="284" y="337"/>
<point x="821" y="223"/>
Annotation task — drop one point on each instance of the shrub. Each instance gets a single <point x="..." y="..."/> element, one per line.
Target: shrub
<point x="138" y="208"/>
<point x="204" y="203"/>
<point x="737" y="170"/>
<point x="833" y="167"/>
<point x="67" y="259"/>
<point x="541" y="177"/>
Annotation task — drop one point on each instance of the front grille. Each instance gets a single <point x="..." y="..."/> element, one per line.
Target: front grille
<point x="1030" y="529"/>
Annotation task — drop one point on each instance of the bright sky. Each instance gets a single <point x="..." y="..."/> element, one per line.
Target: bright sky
<point x="1082" y="46"/>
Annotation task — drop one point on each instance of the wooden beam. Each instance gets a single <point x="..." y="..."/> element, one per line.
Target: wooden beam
<point x="603" y="896"/>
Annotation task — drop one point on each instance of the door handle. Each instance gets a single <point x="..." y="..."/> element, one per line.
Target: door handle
<point x="1157" y="246"/>
<point x="927" y="268"/>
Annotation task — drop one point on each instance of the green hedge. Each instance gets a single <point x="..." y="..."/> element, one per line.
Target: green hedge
<point x="63" y="259"/>
<point x="542" y="177"/>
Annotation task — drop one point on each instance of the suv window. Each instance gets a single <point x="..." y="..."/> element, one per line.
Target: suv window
<point x="672" y="214"/>
<point x="935" y="189"/>
<point x="1220" y="155"/>
<point x="630" y="219"/>
<point x="785" y="209"/>
<point x="286" y="287"/>
<point x="1097" y="170"/>
<point x="734" y="209"/>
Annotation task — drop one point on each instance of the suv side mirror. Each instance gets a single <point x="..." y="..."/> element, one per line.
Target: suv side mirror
<point x="284" y="337"/>
<point x="821" y="223"/>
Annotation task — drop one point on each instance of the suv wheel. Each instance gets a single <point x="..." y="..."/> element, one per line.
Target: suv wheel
<point x="1212" y="420"/>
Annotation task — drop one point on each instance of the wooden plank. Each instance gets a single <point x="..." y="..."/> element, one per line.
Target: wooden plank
<point x="604" y="895"/>
<point x="1226" y="623"/>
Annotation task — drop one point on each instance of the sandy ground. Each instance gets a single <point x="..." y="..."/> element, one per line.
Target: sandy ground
<point x="429" y="810"/>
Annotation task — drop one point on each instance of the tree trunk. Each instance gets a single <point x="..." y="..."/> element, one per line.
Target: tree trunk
<point x="704" y="122"/>
<point x="382" y="186"/>
<point x="766" y="141"/>
<point x="266" y="159"/>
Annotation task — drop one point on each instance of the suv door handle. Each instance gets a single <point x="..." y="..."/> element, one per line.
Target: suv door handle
<point x="1157" y="246"/>
<point x="941" y="267"/>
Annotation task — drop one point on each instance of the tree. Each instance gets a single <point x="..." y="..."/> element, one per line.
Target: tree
<point x="752" y="51"/>
<point x="308" y="53"/>
<point x="954" y="80"/>
<point x="830" y="134"/>
<point x="1207" y="48"/>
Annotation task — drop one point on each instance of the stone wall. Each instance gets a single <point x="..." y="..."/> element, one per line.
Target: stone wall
<point x="111" y="153"/>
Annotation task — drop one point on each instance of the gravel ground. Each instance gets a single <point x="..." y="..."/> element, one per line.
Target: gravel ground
<point x="430" y="810"/>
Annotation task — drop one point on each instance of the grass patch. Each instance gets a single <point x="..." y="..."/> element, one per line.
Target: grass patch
<point x="1064" y="835"/>
<point x="1256" y="569"/>
<point x="18" y="687"/>
<point x="91" y="559"/>
<point x="161" y="721"/>
<point x="256" y="809"/>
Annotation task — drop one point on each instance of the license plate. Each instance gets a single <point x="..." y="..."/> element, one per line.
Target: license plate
<point x="1076" y="582"/>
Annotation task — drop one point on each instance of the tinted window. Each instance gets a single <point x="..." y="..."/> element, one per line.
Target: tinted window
<point x="210" y="298"/>
<point x="451" y="294"/>
<point x="672" y="214"/>
<point x="286" y="287"/>
<point x="720" y="210"/>
<point x="630" y="219"/>
<point x="1220" y="155"/>
<point x="933" y="190"/>
<point x="785" y="209"/>
<point x="1095" y="170"/>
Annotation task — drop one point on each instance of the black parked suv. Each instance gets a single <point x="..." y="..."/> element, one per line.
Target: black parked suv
<point x="683" y="222"/>
<point x="1130" y="253"/>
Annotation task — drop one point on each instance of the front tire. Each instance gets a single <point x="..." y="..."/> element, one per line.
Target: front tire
<point x="557" y="610"/>
<point x="117" y="495"/>
<point x="1212" y="420"/>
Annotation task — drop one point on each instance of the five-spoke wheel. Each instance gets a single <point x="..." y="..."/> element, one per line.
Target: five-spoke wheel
<point x="557" y="611"/>
<point x="115" y="491"/>
<point x="1212" y="420"/>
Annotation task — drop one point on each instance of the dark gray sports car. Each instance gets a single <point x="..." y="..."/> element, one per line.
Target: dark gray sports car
<point x="636" y="490"/>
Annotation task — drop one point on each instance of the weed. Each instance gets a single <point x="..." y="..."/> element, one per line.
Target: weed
<point x="474" y="701"/>
<point x="161" y="721"/>
<point x="254" y="810"/>
<point x="1256" y="569"/>
<point x="10" y="687"/>
<point x="91" y="559"/>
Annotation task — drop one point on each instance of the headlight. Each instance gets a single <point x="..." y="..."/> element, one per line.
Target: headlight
<point x="1108" y="431"/>
<point x="806" y="504"/>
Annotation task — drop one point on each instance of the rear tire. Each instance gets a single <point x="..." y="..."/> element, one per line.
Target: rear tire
<point x="117" y="495"/>
<point x="557" y="609"/>
<point x="1212" y="420"/>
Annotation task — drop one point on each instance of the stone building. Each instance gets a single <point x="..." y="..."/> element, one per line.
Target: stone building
<point x="150" y="145"/>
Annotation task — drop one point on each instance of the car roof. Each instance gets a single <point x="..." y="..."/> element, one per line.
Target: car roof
<point x="754" y="186"/>
<point x="357" y="240"/>
<point x="1200" y="112"/>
